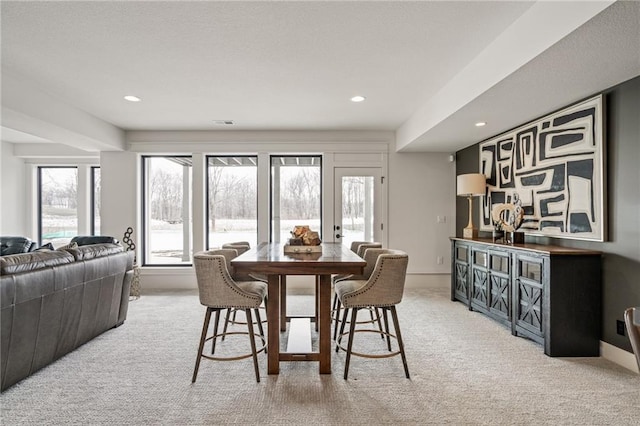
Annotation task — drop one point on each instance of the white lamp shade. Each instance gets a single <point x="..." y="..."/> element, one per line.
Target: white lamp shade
<point x="471" y="184"/>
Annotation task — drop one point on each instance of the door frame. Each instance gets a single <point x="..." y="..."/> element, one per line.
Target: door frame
<point x="381" y="203"/>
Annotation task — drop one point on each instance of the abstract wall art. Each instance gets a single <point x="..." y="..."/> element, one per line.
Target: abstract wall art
<point x="555" y="167"/>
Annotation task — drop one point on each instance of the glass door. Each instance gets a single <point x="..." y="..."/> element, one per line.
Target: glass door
<point x="358" y="206"/>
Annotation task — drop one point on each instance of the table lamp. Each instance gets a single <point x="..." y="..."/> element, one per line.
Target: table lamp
<point x="471" y="185"/>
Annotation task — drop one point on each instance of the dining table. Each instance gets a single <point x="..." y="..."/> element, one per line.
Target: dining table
<point x="271" y="260"/>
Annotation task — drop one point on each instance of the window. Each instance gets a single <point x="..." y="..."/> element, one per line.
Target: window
<point x="232" y="202"/>
<point x="95" y="200"/>
<point x="57" y="204"/>
<point x="296" y="194"/>
<point x="167" y="210"/>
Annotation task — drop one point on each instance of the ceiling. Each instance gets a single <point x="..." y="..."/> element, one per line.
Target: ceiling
<point x="425" y="68"/>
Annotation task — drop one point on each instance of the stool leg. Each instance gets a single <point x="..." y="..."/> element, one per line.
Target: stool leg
<point x="226" y="322"/>
<point x="215" y="331"/>
<point x="253" y="343"/>
<point x="258" y="320"/>
<point x="342" y="325"/>
<point x="203" y="337"/>
<point x="379" y="321"/>
<point x="337" y="310"/>
<point x="386" y="327"/>
<point x="394" y="315"/>
<point x="352" y="331"/>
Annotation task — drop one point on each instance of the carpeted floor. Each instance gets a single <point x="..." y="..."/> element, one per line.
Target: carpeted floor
<point x="465" y="369"/>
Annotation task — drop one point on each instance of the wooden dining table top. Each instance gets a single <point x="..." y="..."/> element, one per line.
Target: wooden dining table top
<point x="270" y="258"/>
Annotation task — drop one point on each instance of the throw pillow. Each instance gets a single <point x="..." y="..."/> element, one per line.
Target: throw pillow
<point x="45" y="247"/>
<point x="71" y="245"/>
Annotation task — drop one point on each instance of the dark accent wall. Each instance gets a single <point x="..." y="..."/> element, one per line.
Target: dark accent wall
<point x="621" y="250"/>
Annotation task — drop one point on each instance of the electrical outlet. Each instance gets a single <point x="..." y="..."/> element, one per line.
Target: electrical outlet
<point x="441" y="219"/>
<point x="439" y="260"/>
<point x="620" y="327"/>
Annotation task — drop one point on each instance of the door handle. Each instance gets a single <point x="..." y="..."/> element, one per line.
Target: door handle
<point x="338" y="236"/>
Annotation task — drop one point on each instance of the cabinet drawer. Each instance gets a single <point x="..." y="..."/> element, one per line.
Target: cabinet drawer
<point x="529" y="268"/>
<point x="479" y="258"/>
<point x="462" y="254"/>
<point x="500" y="262"/>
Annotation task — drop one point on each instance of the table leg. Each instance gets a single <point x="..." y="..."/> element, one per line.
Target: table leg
<point x="273" y="315"/>
<point x="317" y="304"/>
<point x="283" y="303"/>
<point x="325" y="324"/>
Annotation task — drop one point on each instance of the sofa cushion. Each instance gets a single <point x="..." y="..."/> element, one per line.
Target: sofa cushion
<point x="94" y="250"/>
<point x="24" y="262"/>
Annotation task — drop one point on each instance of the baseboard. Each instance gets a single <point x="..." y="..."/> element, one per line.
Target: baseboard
<point x="618" y="356"/>
<point x="167" y="278"/>
<point x="419" y="280"/>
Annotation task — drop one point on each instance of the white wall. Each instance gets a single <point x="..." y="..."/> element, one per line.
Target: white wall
<point x="120" y="182"/>
<point x="421" y="188"/>
<point x="13" y="220"/>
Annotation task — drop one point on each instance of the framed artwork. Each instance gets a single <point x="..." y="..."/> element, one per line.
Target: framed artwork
<point x="553" y="167"/>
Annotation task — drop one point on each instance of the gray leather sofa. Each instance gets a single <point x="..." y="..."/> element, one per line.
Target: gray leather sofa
<point x="53" y="301"/>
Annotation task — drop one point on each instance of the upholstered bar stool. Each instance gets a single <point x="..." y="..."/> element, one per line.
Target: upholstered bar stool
<point x="361" y="248"/>
<point x="384" y="290"/>
<point x="219" y="291"/>
<point x="240" y="247"/>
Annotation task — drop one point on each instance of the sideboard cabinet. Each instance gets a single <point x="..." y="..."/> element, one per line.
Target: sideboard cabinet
<point x="548" y="294"/>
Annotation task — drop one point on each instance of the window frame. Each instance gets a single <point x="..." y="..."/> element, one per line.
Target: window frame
<point x="144" y="209"/>
<point x="207" y="242"/>
<point x="39" y="169"/>
<point x="92" y="198"/>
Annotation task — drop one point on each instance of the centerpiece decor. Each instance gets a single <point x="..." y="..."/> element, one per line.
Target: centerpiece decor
<point x="506" y="219"/>
<point x="303" y="240"/>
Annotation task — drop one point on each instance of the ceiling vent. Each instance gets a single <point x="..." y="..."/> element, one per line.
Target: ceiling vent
<point x="223" y="122"/>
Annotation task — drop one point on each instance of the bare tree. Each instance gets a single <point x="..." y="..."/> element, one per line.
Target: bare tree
<point x="301" y="194"/>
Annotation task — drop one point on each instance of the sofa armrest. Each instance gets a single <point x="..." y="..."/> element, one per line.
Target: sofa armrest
<point x="15" y="245"/>
<point x="124" y="300"/>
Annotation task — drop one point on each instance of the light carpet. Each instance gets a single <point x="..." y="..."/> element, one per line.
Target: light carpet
<point x="465" y="369"/>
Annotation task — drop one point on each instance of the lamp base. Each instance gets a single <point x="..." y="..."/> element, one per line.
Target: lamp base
<point x="469" y="233"/>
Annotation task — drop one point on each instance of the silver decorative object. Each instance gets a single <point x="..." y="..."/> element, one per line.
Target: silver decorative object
<point x="134" y="292"/>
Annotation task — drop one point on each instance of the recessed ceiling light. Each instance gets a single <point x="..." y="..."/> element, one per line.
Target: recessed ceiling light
<point x="480" y="124"/>
<point x="358" y="98"/>
<point x="132" y="98"/>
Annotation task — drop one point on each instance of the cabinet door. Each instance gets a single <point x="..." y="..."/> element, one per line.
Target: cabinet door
<point x="479" y="279"/>
<point x="499" y="285"/>
<point x="528" y="295"/>
<point x="461" y="272"/>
